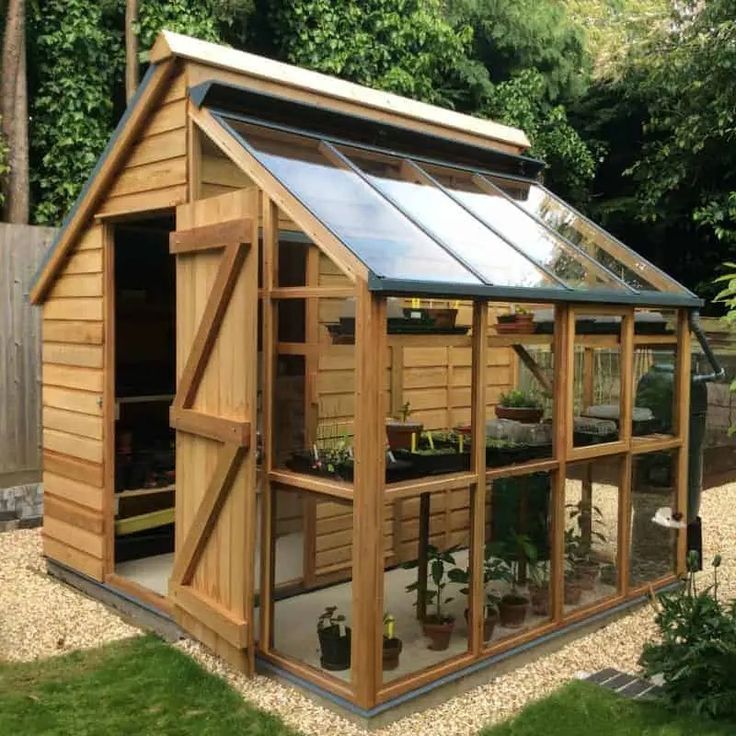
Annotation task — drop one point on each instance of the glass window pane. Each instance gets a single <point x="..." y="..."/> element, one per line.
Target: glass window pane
<point x="517" y="554"/>
<point x="389" y="244"/>
<point x="653" y="496"/>
<point x="591" y="531"/>
<point x="310" y="576"/>
<point x="426" y="204"/>
<point x="597" y="379"/>
<point x="654" y="372"/>
<point x="423" y="537"/>
<point x="520" y="402"/>
<point x="626" y="264"/>
<point x="518" y="227"/>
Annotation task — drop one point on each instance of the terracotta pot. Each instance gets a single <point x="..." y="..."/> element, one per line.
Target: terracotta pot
<point x="513" y="610"/>
<point x="391" y="651"/>
<point x="439" y="632"/>
<point x="573" y="592"/>
<point x="539" y="597"/>
<point x="524" y="414"/>
<point x="489" y="622"/>
<point x="399" y="433"/>
<point x="519" y="324"/>
<point x="516" y="318"/>
<point x="587" y="574"/>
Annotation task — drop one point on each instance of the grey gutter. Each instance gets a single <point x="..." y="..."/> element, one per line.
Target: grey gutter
<point x="95" y="171"/>
<point x="401" y="287"/>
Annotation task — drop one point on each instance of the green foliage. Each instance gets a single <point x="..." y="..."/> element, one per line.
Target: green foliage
<point x="402" y="46"/>
<point x="518" y="399"/>
<point x="696" y="653"/>
<point x="522" y="102"/>
<point x="137" y="686"/>
<point x="515" y="36"/>
<point x="77" y="62"/>
<point x="438" y="562"/>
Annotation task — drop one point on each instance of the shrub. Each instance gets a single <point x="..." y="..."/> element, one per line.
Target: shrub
<point x="696" y="655"/>
<point x="518" y="399"/>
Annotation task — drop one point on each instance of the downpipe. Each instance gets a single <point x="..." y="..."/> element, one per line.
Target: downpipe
<point x="719" y="372"/>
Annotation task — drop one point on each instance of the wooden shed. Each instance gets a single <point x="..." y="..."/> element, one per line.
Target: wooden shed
<point x="318" y="358"/>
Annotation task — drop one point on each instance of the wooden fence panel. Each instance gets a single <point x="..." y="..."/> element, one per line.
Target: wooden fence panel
<point x="22" y="248"/>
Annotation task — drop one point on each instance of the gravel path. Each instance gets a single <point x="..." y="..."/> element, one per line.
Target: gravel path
<point x="40" y="617"/>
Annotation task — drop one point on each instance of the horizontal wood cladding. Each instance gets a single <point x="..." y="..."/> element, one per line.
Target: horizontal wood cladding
<point x="74" y="480"/>
<point x="160" y="199"/>
<point x="73" y="514"/>
<point x="83" y="402"/>
<point x="72" y="557"/>
<point x="72" y="422"/>
<point x="77" y="332"/>
<point x="82" y="309"/>
<point x="75" y="285"/>
<point x="85" y="261"/>
<point x="83" y="448"/>
<point x="65" y="353"/>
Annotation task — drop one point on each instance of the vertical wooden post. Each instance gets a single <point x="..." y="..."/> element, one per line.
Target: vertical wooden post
<point x="682" y="427"/>
<point x="369" y="482"/>
<point x="422" y="555"/>
<point x="131" y="49"/>
<point x="562" y="437"/>
<point x="627" y="376"/>
<point x="269" y="259"/>
<point x="478" y="466"/>
<point x="623" y="555"/>
<point x="586" y="519"/>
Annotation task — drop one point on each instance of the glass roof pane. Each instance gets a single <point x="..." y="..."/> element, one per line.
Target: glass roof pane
<point x="490" y="256"/>
<point x="528" y="235"/>
<point x="376" y="232"/>
<point x="625" y="263"/>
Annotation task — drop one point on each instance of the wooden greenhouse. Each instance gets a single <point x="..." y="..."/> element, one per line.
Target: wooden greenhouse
<point x="332" y="380"/>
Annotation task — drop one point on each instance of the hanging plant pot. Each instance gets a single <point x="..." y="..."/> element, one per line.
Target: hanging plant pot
<point x="438" y="631"/>
<point x="512" y="609"/>
<point x="391" y="650"/>
<point x="523" y="414"/>
<point x="335" y="648"/>
<point x="399" y="433"/>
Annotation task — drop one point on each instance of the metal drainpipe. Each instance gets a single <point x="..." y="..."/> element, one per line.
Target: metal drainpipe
<point x="718" y="370"/>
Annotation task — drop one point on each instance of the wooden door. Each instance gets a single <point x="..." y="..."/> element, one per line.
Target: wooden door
<point x="214" y="414"/>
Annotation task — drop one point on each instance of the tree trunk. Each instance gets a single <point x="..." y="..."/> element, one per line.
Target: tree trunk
<point x="131" y="49"/>
<point x="14" y="112"/>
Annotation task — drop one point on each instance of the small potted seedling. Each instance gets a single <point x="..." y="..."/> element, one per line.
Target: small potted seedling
<point x="579" y="546"/>
<point x="391" y="643"/>
<point x="514" y="606"/>
<point x="519" y="322"/>
<point x="437" y="625"/>
<point x="334" y="640"/>
<point x="399" y="430"/>
<point x="538" y="587"/>
<point x="494" y="569"/>
<point x="519" y="406"/>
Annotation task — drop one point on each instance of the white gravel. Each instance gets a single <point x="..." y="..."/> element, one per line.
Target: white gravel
<point x="40" y="617"/>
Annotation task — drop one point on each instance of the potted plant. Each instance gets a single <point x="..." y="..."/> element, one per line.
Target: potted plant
<point x="519" y="406"/>
<point x="493" y="569"/>
<point x="399" y="430"/>
<point x="437" y="625"/>
<point x="538" y="587"/>
<point x="442" y="318"/>
<point x="519" y="322"/>
<point x="438" y="454"/>
<point x="391" y="644"/>
<point x="579" y="545"/>
<point x="573" y="589"/>
<point x="514" y="606"/>
<point x="334" y="640"/>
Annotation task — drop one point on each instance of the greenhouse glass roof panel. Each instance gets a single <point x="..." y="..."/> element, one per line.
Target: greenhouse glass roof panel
<point x="454" y="229"/>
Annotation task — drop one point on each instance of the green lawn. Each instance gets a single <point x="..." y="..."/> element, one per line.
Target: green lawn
<point x="137" y="686"/>
<point x="583" y="709"/>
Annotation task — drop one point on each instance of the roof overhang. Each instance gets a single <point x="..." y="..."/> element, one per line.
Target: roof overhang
<point x="326" y="88"/>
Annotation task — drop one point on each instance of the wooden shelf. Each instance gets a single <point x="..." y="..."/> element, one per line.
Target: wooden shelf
<point x="144" y="399"/>
<point x="133" y="492"/>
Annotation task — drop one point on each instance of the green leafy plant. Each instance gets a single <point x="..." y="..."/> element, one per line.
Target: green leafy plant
<point x="494" y="570"/>
<point x="404" y="412"/>
<point x="517" y="551"/>
<point x="579" y="545"/>
<point x="696" y="649"/>
<point x="330" y="618"/>
<point x="518" y="399"/>
<point x="438" y="563"/>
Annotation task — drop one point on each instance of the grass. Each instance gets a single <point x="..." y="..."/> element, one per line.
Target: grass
<point x="584" y="709"/>
<point x="137" y="686"/>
